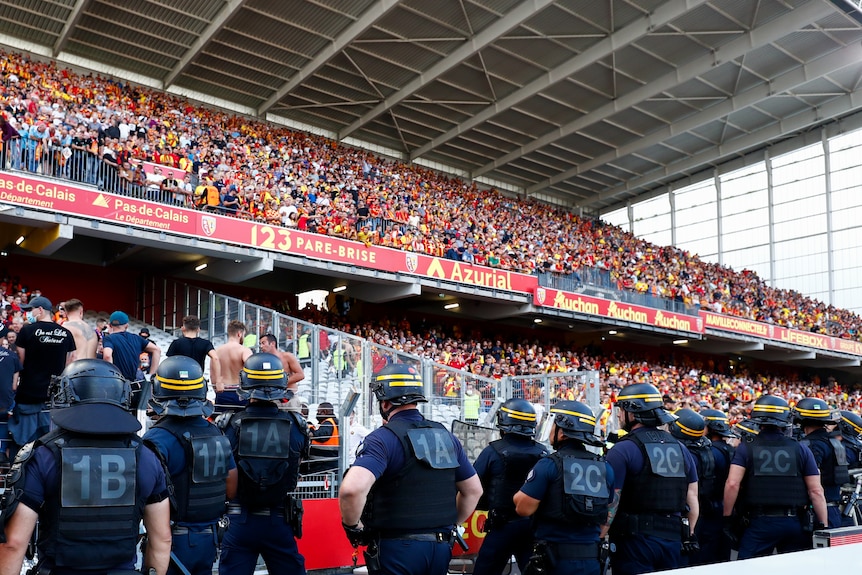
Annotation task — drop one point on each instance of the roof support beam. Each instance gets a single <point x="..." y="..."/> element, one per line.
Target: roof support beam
<point x="802" y="121"/>
<point x="524" y="11"/>
<point x="751" y="40"/>
<point x="621" y="38"/>
<point x="69" y="26"/>
<point x="230" y="8"/>
<point x="851" y="54"/>
<point x="348" y="35"/>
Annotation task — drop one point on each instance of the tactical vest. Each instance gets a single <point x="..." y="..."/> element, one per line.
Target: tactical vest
<point x="704" y="461"/>
<point x="94" y="521"/>
<point x="579" y="496"/>
<point x="518" y="459"/>
<point x="661" y="485"/>
<point x="774" y="479"/>
<point x="268" y="468"/>
<point x="420" y="497"/>
<point x="834" y="469"/>
<point x="200" y="490"/>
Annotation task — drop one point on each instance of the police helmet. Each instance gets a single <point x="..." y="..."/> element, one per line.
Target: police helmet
<point x="576" y="420"/>
<point x="747" y="430"/>
<point x="771" y="410"/>
<point x="92" y="396"/>
<point x="811" y="410"/>
<point x="644" y="401"/>
<point x="398" y="383"/>
<point x="517" y="416"/>
<point x="263" y="377"/>
<point x="689" y="427"/>
<point x="179" y="388"/>
<point x="717" y="422"/>
<point x="850" y="425"/>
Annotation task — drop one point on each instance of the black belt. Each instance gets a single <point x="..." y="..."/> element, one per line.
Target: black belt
<point x="183" y="530"/>
<point x="433" y="537"/>
<point x="574" y="551"/>
<point x="663" y="526"/>
<point x="265" y="512"/>
<point x="777" y="512"/>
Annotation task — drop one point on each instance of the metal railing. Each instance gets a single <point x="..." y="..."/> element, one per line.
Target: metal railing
<point x="337" y="363"/>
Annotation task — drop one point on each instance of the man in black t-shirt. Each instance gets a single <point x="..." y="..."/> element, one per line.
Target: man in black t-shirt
<point x="44" y="350"/>
<point x="190" y="344"/>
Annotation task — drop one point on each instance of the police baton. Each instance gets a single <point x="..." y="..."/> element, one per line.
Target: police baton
<point x="176" y="561"/>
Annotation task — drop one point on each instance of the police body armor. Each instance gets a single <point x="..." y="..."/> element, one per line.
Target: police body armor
<point x="775" y="480"/>
<point x="834" y="470"/>
<point x="704" y="461"/>
<point x="718" y="485"/>
<point x="94" y="523"/>
<point x="518" y="459"/>
<point x="662" y="485"/>
<point x="268" y="468"/>
<point x="200" y="489"/>
<point x="579" y="496"/>
<point x="421" y="496"/>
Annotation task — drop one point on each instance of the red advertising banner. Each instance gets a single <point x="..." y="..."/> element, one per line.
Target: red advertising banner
<point x="78" y="201"/>
<point x="577" y="303"/>
<point x="779" y="334"/>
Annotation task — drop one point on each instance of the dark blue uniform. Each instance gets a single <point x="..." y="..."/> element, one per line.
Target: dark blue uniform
<point x="773" y="526"/>
<point x="41" y="492"/>
<point x="540" y="481"/>
<point x="400" y="551"/>
<point x="194" y="542"/>
<point x="714" y="546"/>
<point x="833" y="473"/>
<point x="508" y="534"/>
<point x="258" y="525"/>
<point x="643" y="547"/>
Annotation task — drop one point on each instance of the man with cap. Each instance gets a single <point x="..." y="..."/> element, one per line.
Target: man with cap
<point x="410" y="485"/>
<point x="502" y="468"/>
<point x="568" y="494"/>
<point x="268" y="444"/>
<point x="45" y="349"/>
<point x="813" y="416"/>
<point x="124" y="350"/>
<point x="779" y="483"/>
<point x="145" y="333"/>
<point x="198" y="459"/>
<point x="655" y="485"/>
<point x="89" y="483"/>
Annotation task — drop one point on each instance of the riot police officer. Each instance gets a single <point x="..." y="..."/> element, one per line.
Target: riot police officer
<point x="747" y="430"/>
<point x="813" y="416"/>
<point x="268" y="443"/>
<point x="89" y="483"/>
<point x="502" y="468"/>
<point x="655" y="479"/>
<point x="568" y="495"/>
<point x="850" y="430"/>
<point x="198" y="458"/>
<point x="779" y="480"/>
<point x="410" y="484"/>
<point x="714" y="546"/>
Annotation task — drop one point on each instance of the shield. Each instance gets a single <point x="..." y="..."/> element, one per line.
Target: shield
<point x="412" y="261"/>
<point x="474" y="438"/>
<point x="540" y="295"/>
<point x="208" y="225"/>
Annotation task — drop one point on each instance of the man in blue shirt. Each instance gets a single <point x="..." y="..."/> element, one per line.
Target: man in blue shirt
<point x="199" y="462"/>
<point x="568" y="494"/>
<point x="779" y="480"/>
<point x="655" y="485"/>
<point x="410" y="485"/>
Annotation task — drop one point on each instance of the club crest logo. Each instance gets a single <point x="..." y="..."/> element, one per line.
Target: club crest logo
<point x="412" y="261"/>
<point x="208" y="225"/>
<point x="540" y="295"/>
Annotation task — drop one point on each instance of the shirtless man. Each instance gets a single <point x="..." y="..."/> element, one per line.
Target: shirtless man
<point x="232" y="356"/>
<point x="86" y="340"/>
<point x="269" y="344"/>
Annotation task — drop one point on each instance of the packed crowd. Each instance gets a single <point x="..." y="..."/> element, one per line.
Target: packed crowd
<point x="100" y="131"/>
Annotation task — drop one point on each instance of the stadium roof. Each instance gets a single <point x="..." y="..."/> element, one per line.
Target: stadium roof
<point x="585" y="103"/>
